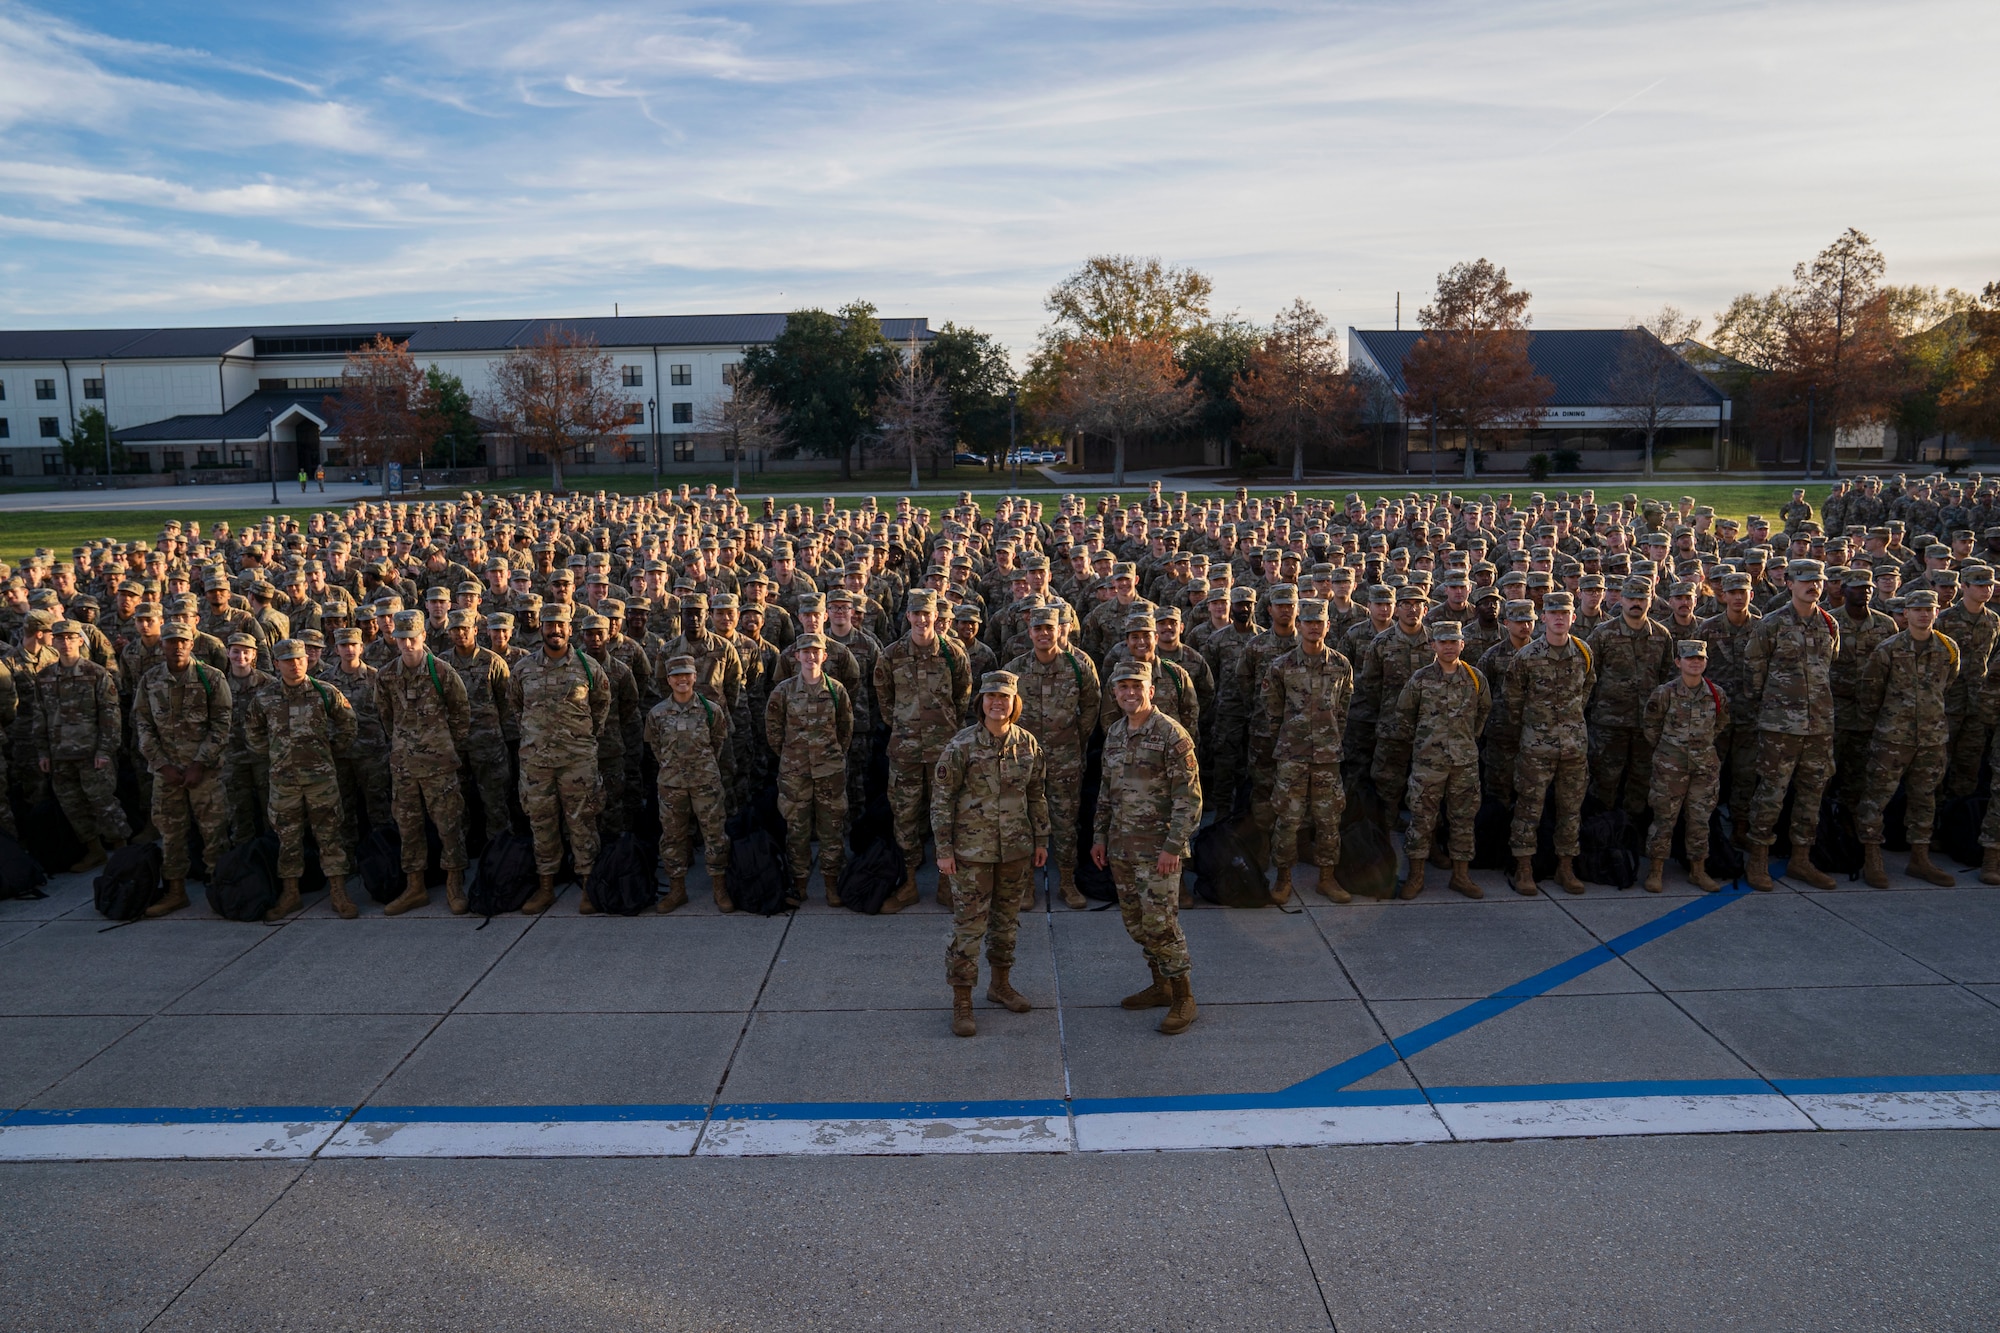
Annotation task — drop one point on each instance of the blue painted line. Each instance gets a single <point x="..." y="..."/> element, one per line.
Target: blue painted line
<point x="176" y="1115"/>
<point x="521" y="1115"/>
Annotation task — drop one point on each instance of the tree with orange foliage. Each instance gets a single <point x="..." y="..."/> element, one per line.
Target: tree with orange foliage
<point x="558" y="394"/>
<point x="384" y="409"/>
<point x="1116" y="388"/>
<point x="1294" y="392"/>
<point x="1470" y="371"/>
<point x="1970" y="401"/>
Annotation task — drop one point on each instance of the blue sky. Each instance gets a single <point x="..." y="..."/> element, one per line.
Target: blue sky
<point x="169" y="163"/>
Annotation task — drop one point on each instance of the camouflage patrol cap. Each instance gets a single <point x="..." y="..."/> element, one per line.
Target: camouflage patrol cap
<point x="1139" y="622"/>
<point x="1521" y="611"/>
<point x="1691" y="648"/>
<point x="1283" y="594"/>
<point x="178" y="631"/>
<point x="722" y="601"/>
<point x="135" y="589"/>
<point x="408" y="625"/>
<point x="500" y="620"/>
<point x="285" y="649"/>
<point x="683" y="665"/>
<point x="466" y="618"/>
<point x="1681" y="589"/>
<point x="1044" y="615"/>
<point x="1590" y="583"/>
<point x="1488" y="593"/>
<point x="1413" y="591"/>
<point x="1456" y="578"/>
<point x="1919" y="600"/>
<point x="1312" y="608"/>
<point x="1000" y="682"/>
<point x="341" y="636"/>
<point x="312" y="638"/>
<point x="1132" y="669"/>
<point x="967" y="611"/>
<point x="1943" y="579"/>
<point x="37" y="620"/>
<point x="1449" y="631"/>
<point x="1754" y="555"/>
<point x="812" y="603"/>
<point x="1637" y="586"/>
<point x="437" y="594"/>
<point x="234" y="640"/>
<point x="1805" y="569"/>
<point x="694" y="601"/>
<point x="590" y="621"/>
<point x="1976" y="576"/>
<point x="838" y="597"/>
<point x="922" y="599"/>
<point x="1558" y="601"/>
<point x="1243" y="594"/>
<point x="554" y="613"/>
<point x="804" y="641"/>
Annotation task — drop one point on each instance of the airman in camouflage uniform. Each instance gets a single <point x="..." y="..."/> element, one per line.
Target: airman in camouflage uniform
<point x="990" y="816"/>
<point x="809" y="719"/>
<point x="1057" y="688"/>
<point x="298" y="726"/>
<point x="1304" y="698"/>
<point x="1727" y="634"/>
<point x="1969" y="622"/>
<point x="363" y="763"/>
<point x="1863" y="629"/>
<point x="1497" y="758"/>
<point x="77" y="730"/>
<point x="1173" y="689"/>
<point x="921" y="681"/>
<point x="1147" y="810"/>
<point x="688" y="734"/>
<point x="1224" y="650"/>
<point x="1904" y="688"/>
<point x="1792" y="652"/>
<point x="1443" y="708"/>
<point x="563" y="701"/>
<point x="1548" y="684"/>
<point x="429" y="722"/>
<point x="1391" y="658"/>
<point x="485" y="676"/>
<point x="613" y="758"/>
<point x="1257" y="656"/>
<point x="181" y="716"/>
<point x="1685" y="720"/>
<point x="246" y="776"/>
<point x="718" y="669"/>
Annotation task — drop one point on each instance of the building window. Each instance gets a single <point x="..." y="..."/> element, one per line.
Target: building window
<point x="93" y="388"/>
<point x="635" y="414"/>
<point x="51" y="428"/>
<point x="305" y="382"/>
<point x="6" y="465"/>
<point x="52" y="465"/>
<point x="45" y="390"/>
<point x="205" y="458"/>
<point x="683" y="374"/>
<point x="683" y="414"/>
<point x="635" y="377"/>
<point x="3" y="391"/>
<point x="683" y="448"/>
<point x="172" y="460"/>
<point x="4" y="429"/>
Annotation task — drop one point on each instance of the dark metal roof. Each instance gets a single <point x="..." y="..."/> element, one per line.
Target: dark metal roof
<point x="1581" y="363"/>
<point x="245" y="421"/>
<point x="429" y="336"/>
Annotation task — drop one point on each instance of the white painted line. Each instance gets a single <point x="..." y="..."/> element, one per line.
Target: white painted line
<point x="808" y="1138"/>
<point x="560" y="1138"/>
<point x="1585" y="1117"/>
<point x="206" y="1142"/>
<point x="1305" y="1127"/>
<point x="1902" y="1110"/>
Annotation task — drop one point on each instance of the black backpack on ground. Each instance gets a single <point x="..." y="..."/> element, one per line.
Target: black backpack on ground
<point x="1228" y="864"/>
<point x="623" y="880"/>
<point x="1607" y="848"/>
<point x="129" y="884"/>
<point x="507" y="877"/>
<point x="1725" y="862"/>
<point x="872" y="874"/>
<point x="245" y="883"/>
<point x="380" y="861"/>
<point x="21" y="876"/>
<point x="1895" y="821"/>
<point x="46" y="833"/>
<point x="1093" y="883"/>
<point x="1836" y="848"/>
<point x="760" y="870"/>
<point x="1957" y="832"/>
<point x="1493" y="836"/>
<point x="1367" y="856"/>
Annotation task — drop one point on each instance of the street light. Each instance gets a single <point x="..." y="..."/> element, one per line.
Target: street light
<point x="653" y="412"/>
<point x="271" y="453"/>
<point x="104" y="396"/>
<point x="1013" y="451"/>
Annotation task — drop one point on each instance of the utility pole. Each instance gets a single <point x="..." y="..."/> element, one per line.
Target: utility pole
<point x="271" y="453"/>
<point x="1811" y="389"/>
<point x="104" y="396"/>
<point x="1013" y="451"/>
<point x="653" y="411"/>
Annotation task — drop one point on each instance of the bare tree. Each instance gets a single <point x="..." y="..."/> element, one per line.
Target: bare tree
<point x="558" y="394"/>
<point x="1651" y="388"/>
<point x="1293" y="392"/>
<point x="1117" y="388"/>
<point x="913" y="412"/>
<point x="748" y="420"/>
<point x="1470" y="371"/>
<point x="384" y="407"/>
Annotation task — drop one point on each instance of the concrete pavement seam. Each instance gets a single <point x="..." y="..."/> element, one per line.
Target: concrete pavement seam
<point x="1062" y="1030"/>
<point x="235" y="1240"/>
<point x="715" y="1098"/>
<point x="1311" y="1268"/>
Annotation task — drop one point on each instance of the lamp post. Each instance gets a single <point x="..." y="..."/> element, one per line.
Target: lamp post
<point x="1810" y="391"/>
<point x="653" y="413"/>
<point x="271" y="452"/>
<point x="104" y="397"/>
<point x="1013" y="451"/>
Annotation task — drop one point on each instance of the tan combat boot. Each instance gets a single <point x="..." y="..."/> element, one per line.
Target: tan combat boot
<point x="336" y="898"/>
<point x="944" y="892"/>
<point x="677" y="895"/>
<point x="1281" y="892"/>
<point x="1001" y="991"/>
<point x="542" y="899"/>
<point x="1330" y="887"/>
<point x="906" y="896"/>
<point x="1801" y="868"/>
<point x="1152" y="997"/>
<point x="1700" y="878"/>
<point x="1461" y="880"/>
<point x="1027" y="903"/>
<point x="1656" y="875"/>
<point x="1873" y="874"/>
<point x="797" y="897"/>
<point x="1989" y="865"/>
<point x="175" y="898"/>
<point x="584" y="905"/>
<point x="718" y="882"/>
<point x="1566" y="875"/>
<point x="1757" y="869"/>
<point x="414" y="894"/>
<point x="1413" y="883"/>
<point x="1073" y="897"/>
<point x="1181" y="1011"/>
<point x="93" y="857"/>
<point x="961" y="1012"/>
<point x="454" y="891"/>
<point x="288" y="900"/>
<point x="830" y="875"/>
<point x="1927" y="870"/>
<point x="1524" y="877"/>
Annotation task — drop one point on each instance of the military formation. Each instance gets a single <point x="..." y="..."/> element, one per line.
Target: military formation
<point x="1021" y="693"/>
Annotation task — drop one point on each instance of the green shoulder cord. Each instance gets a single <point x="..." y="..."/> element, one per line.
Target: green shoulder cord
<point x="201" y="674"/>
<point x="431" y="664"/>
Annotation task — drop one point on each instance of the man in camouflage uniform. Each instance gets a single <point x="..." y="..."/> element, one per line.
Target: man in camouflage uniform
<point x="1257" y="657"/>
<point x="1791" y="655"/>
<point x="1224" y="650"/>
<point x="810" y="722"/>
<point x="485" y="676"/>
<point x="427" y="718"/>
<point x="718" y="670"/>
<point x="1685" y="721"/>
<point x="1443" y="708"/>
<point x="1548" y="684"/>
<point x="363" y="763"/>
<point x="1632" y="656"/>
<point x="623" y="729"/>
<point x="1969" y="622"/>
<point x="77" y="731"/>
<point x="921" y="682"/>
<point x="990" y="816"/>
<point x="298" y="726"/>
<point x="1904" y="688"/>
<point x="1173" y="689"/>
<point x="1727" y="634"/>
<point x="688" y="734"/>
<point x="563" y="701"/>
<point x="1304" y="697"/>
<point x="181" y="715"/>
<point x="842" y="632"/>
<point x="1147" y="810"/>
<point x="246" y="778"/>
<point x="1386" y="665"/>
<point x="980" y="659"/>
<point x="1498" y="755"/>
<point x="1057" y="689"/>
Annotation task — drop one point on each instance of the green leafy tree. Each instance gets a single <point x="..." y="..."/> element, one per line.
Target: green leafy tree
<point x="1214" y="356"/>
<point x="83" y="447"/>
<point x="972" y="369"/>
<point x="449" y="409"/>
<point x="826" y="371"/>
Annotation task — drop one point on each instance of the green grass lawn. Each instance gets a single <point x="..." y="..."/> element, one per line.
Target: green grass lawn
<point x="22" y="533"/>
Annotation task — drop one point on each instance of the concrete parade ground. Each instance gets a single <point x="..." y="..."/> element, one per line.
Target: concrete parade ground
<point x="1616" y="1110"/>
